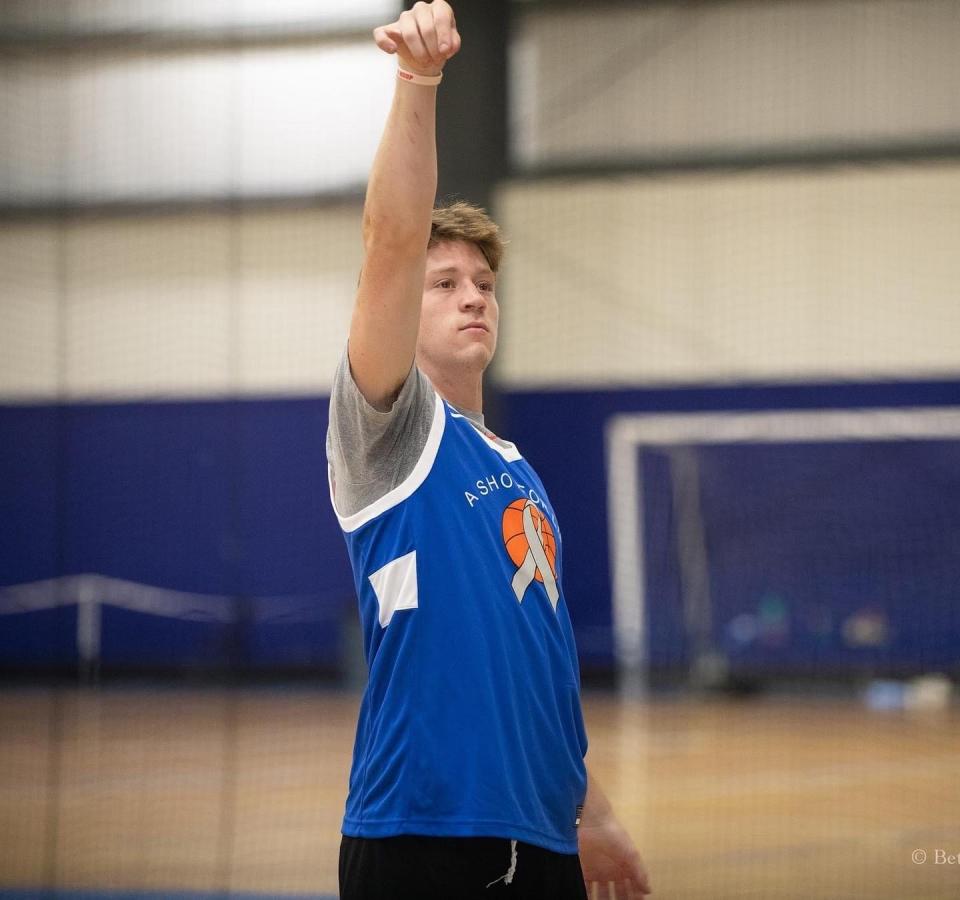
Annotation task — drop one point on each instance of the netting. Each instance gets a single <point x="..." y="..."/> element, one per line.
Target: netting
<point x="179" y="251"/>
<point x="752" y="545"/>
<point x="729" y="346"/>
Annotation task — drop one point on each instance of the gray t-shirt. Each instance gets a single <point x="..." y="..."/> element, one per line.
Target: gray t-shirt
<point x="371" y="451"/>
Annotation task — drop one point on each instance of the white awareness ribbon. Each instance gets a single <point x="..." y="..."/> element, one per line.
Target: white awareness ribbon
<point x="535" y="560"/>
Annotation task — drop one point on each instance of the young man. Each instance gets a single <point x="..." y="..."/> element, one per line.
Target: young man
<point x="468" y="778"/>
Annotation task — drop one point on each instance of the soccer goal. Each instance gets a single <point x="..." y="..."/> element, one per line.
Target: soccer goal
<point x="784" y="541"/>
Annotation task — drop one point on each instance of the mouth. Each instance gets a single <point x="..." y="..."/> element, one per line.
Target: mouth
<point x="475" y="326"/>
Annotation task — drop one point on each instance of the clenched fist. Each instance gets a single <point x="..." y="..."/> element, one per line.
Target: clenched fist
<point x="423" y="38"/>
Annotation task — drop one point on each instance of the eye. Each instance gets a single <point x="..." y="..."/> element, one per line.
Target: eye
<point x="446" y="284"/>
<point x="485" y="286"/>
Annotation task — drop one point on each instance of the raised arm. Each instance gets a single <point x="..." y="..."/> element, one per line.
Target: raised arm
<point x="399" y="203"/>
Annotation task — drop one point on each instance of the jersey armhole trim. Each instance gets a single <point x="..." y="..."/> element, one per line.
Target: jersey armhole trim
<point x="406" y="487"/>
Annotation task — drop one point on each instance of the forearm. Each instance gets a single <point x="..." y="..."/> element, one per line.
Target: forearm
<point x="607" y="852"/>
<point x="596" y="807"/>
<point x="399" y="205"/>
<point x="403" y="181"/>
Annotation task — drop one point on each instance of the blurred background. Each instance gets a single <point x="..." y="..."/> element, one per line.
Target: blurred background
<point x="730" y="344"/>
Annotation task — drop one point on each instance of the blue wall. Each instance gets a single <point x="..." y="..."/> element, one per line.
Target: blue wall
<point x="230" y="498"/>
<point x="562" y="434"/>
<point x="224" y="498"/>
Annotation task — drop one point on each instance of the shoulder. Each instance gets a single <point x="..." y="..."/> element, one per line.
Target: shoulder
<point x="371" y="451"/>
<point x="350" y="409"/>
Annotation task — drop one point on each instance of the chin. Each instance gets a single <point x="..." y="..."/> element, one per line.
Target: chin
<point x="477" y="356"/>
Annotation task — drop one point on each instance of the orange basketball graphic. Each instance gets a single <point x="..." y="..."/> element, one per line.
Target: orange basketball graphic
<point x="516" y="541"/>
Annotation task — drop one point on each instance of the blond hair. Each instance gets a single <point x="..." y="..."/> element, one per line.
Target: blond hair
<point x="461" y="221"/>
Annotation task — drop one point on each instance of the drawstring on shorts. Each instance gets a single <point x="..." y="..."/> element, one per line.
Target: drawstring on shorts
<point x="508" y="878"/>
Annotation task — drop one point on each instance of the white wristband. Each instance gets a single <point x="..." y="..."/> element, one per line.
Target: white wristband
<point x="404" y="75"/>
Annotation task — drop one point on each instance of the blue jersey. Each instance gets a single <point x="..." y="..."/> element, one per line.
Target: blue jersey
<point x="470" y="724"/>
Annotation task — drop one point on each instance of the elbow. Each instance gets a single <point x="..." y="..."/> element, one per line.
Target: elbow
<point x="394" y="232"/>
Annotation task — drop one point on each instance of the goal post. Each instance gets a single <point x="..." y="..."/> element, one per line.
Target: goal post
<point x="682" y="436"/>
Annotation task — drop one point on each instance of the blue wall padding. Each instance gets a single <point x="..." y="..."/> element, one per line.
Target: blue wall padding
<point x="562" y="433"/>
<point x="230" y="497"/>
<point x="209" y="497"/>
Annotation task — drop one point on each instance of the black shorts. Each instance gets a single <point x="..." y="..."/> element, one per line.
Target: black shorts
<point x="411" y="867"/>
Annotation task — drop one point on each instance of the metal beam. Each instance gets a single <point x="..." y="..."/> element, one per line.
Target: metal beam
<point x="472" y="123"/>
<point x="702" y="160"/>
<point x="472" y="105"/>
<point x="138" y="207"/>
<point x="29" y="42"/>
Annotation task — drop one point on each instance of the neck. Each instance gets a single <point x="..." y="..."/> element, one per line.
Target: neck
<point x="462" y="389"/>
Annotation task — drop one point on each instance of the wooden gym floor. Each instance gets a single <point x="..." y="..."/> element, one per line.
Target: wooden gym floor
<point x="208" y="790"/>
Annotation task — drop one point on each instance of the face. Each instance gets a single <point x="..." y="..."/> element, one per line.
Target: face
<point x="459" y="314"/>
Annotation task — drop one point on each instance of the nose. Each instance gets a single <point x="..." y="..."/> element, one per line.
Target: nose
<point x="473" y="298"/>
